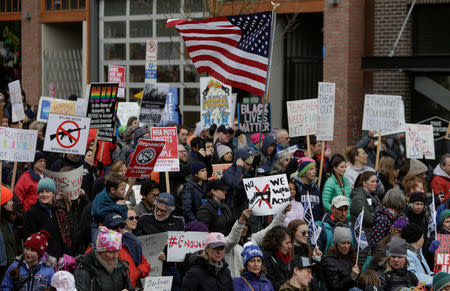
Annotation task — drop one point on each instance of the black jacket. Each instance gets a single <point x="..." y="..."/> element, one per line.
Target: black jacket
<point x="277" y="270"/>
<point x="91" y="275"/>
<point x="147" y="224"/>
<point x="202" y="275"/>
<point x="216" y="216"/>
<point x="394" y="279"/>
<point x="192" y="199"/>
<point x="336" y="271"/>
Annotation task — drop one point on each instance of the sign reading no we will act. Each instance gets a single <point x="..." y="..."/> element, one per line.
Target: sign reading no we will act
<point x="66" y="134"/>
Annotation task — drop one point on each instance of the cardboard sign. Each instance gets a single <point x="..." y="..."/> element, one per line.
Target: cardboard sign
<point x="218" y="170"/>
<point x="158" y="283"/>
<point x="68" y="183"/>
<point x="251" y="118"/>
<point x="49" y="105"/>
<point x="419" y="141"/>
<point x="152" y="246"/>
<point x="66" y="134"/>
<point x="15" y="95"/>
<point x="302" y="117"/>
<point x="325" y="113"/>
<point x="170" y="113"/>
<point x="18" y="145"/>
<point x="151" y="55"/>
<point x="168" y="159"/>
<point x="153" y="102"/>
<point x="125" y="110"/>
<point x="144" y="158"/>
<point x="442" y="254"/>
<point x="116" y="74"/>
<point x="267" y="195"/>
<point x="101" y="108"/>
<point x="181" y="243"/>
<point x="383" y="112"/>
<point x="215" y="102"/>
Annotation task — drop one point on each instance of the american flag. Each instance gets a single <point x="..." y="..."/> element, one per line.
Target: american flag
<point x="233" y="49"/>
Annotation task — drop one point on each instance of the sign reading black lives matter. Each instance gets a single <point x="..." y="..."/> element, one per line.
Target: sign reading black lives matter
<point x="267" y="195"/>
<point x="153" y="102"/>
<point x="101" y="108"/>
<point x="253" y="117"/>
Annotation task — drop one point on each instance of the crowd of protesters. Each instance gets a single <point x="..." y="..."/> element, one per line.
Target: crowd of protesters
<point x="48" y="242"/>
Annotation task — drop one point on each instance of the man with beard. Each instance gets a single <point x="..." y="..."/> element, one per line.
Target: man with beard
<point x="162" y="219"/>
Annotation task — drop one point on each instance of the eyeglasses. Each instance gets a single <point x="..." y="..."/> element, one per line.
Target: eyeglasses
<point x="133" y="217"/>
<point x="160" y="210"/>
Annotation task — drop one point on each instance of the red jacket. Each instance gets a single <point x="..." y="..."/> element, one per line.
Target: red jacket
<point x="108" y="149"/>
<point x="441" y="184"/>
<point x="26" y="189"/>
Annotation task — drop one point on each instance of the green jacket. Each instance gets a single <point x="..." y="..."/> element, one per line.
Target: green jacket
<point x="332" y="189"/>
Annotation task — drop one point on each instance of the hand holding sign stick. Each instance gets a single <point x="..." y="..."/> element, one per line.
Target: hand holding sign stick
<point x="378" y="151"/>
<point x="322" y="153"/>
<point x="13" y="179"/>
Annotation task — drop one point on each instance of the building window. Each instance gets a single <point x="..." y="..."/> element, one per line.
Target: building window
<point x="125" y="27"/>
<point x="10" y="5"/>
<point x="64" y="4"/>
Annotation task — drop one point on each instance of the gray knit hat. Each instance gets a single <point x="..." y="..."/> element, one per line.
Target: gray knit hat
<point x="342" y="234"/>
<point x="416" y="167"/>
<point x="398" y="247"/>
<point x="222" y="150"/>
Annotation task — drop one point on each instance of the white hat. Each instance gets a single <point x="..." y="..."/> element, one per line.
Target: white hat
<point x="339" y="201"/>
<point x="63" y="281"/>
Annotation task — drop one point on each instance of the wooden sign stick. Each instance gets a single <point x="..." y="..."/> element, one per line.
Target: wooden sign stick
<point x="378" y="151"/>
<point x="13" y="179"/>
<point x="95" y="148"/>
<point x="167" y="182"/>
<point x="308" y="147"/>
<point x="321" y="163"/>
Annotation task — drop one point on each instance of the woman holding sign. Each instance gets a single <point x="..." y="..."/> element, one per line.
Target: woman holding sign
<point x="337" y="184"/>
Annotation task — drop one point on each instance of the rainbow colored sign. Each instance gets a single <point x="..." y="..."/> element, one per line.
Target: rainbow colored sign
<point x="102" y="105"/>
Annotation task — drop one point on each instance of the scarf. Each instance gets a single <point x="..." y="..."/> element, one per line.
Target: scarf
<point x="285" y="258"/>
<point x="63" y="223"/>
<point x="134" y="247"/>
<point x="109" y="268"/>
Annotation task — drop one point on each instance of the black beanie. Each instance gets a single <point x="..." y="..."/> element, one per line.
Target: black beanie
<point x="412" y="232"/>
<point x="417" y="196"/>
<point x="39" y="155"/>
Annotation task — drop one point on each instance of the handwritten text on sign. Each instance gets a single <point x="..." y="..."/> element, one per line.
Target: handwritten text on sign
<point x="382" y="112"/>
<point x="325" y="114"/>
<point x="17" y="145"/>
<point x="419" y="141"/>
<point x="255" y="117"/>
<point x="116" y="74"/>
<point x="442" y="254"/>
<point x="152" y="246"/>
<point x="267" y="195"/>
<point x="180" y="243"/>
<point x="158" y="283"/>
<point x="302" y="117"/>
<point x="168" y="159"/>
<point x="68" y="183"/>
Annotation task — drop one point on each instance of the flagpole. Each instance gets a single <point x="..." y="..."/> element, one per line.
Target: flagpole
<point x="359" y="236"/>
<point x="269" y="66"/>
<point x="312" y="217"/>
<point x="434" y="214"/>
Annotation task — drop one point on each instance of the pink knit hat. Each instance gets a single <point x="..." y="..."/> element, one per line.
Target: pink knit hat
<point x="255" y="137"/>
<point x="108" y="240"/>
<point x="63" y="281"/>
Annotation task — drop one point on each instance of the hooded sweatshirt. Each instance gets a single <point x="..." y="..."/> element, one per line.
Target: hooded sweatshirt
<point x="268" y="160"/>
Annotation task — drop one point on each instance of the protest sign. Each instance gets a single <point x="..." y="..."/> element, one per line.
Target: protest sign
<point x="152" y="246"/>
<point x="102" y="109"/>
<point x="302" y="117"/>
<point x="151" y="54"/>
<point x="215" y="102"/>
<point x="158" y="283"/>
<point x="144" y="158"/>
<point x="255" y="117"/>
<point x="125" y="110"/>
<point x="18" y="145"/>
<point x="170" y="113"/>
<point x="383" y="113"/>
<point x="267" y="195"/>
<point x="419" y="141"/>
<point x="66" y="134"/>
<point x="81" y="107"/>
<point x="168" y="159"/>
<point x="325" y="113"/>
<point x="116" y="74"/>
<point x="153" y="102"/>
<point x="290" y="150"/>
<point x="442" y="254"/>
<point x="49" y="105"/>
<point x="68" y="183"/>
<point x="179" y="243"/>
<point x="15" y="96"/>
<point x="447" y="136"/>
<point x="218" y="170"/>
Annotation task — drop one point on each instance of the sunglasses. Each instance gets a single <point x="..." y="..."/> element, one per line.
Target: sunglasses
<point x="305" y="233"/>
<point x="133" y="217"/>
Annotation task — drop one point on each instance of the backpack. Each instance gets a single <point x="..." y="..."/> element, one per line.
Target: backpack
<point x="329" y="233"/>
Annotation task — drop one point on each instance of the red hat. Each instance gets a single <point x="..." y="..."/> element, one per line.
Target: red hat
<point x="5" y="195"/>
<point x="38" y="241"/>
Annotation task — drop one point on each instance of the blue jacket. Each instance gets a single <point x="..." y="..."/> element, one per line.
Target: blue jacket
<point x="314" y="196"/>
<point x="325" y="240"/>
<point x="192" y="199"/>
<point x="41" y="278"/>
<point x="268" y="161"/>
<point x="418" y="265"/>
<point x="104" y="204"/>
<point x="233" y="175"/>
<point x="260" y="283"/>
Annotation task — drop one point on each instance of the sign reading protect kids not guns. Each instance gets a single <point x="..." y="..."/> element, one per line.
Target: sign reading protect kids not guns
<point x="101" y="109"/>
<point x="17" y="145"/>
<point x="179" y="243"/>
<point x="383" y="113"/>
<point x="302" y="117"/>
<point x="267" y="195"/>
<point x="168" y="159"/>
<point x="442" y="254"/>
<point x="144" y="158"/>
<point x="66" y="134"/>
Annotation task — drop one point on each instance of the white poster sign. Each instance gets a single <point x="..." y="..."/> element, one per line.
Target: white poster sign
<point x="383" y="113"/>
<point x="125" y="110"/>
<point x="325" y="113"/>
<point x="267" y="195"/>
<point x="168" y="159"/>
<point x="68" y="183"/>
<point x="419" y="141"/>
<point x="180" y="243"/>
<point x="302" y="117"/>
<point x="216" y="102"/>
<point x="66" y="134"/>
<point x="152" y="246"/>
<point x="158" y="283"/>
<point x="15" y="95"/>
<point x="18" y="145"/>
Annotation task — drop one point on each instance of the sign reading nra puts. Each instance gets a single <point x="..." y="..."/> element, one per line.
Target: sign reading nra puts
<point x="66" y="134"/>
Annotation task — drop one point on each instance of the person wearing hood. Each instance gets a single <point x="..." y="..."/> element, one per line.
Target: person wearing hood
<point x="444" y="222"/>
<point x="26" y="186"/>
<point x="194" y="190"/>
<point x="268" y="153"/>
<point x="224" y="137"/>
<point x="208" y="270"/>
<point x="242" y="162"/>
<point x="417" y="211"/>
<point x="441" y="178"/>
